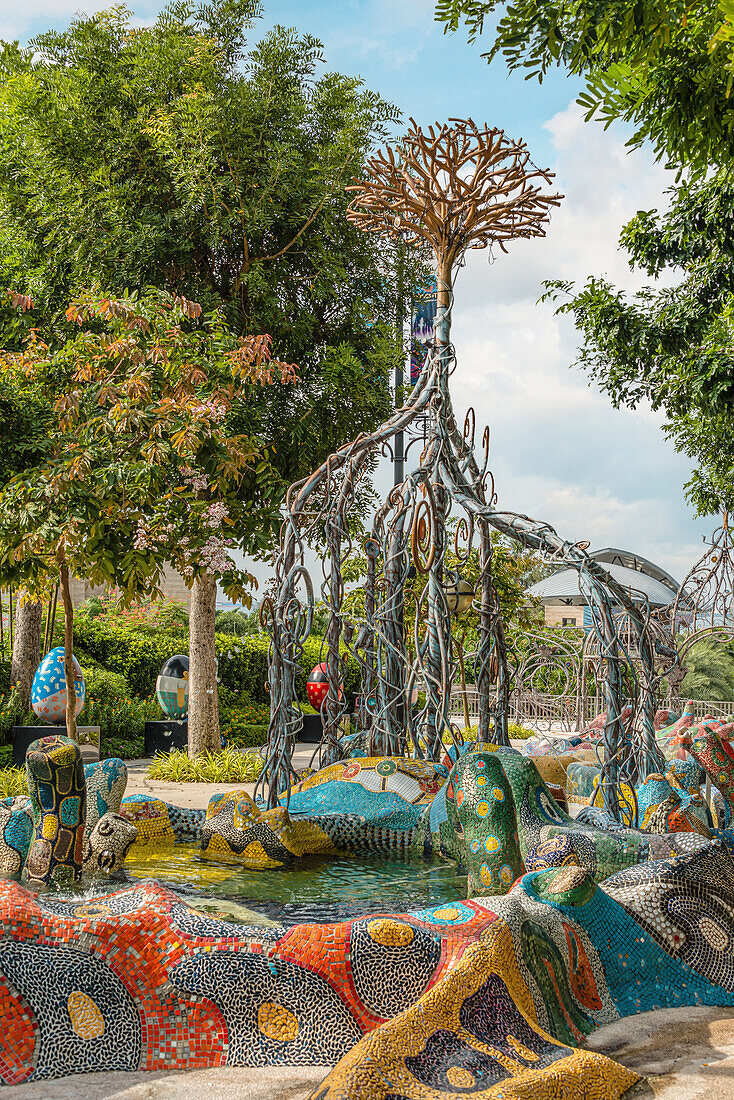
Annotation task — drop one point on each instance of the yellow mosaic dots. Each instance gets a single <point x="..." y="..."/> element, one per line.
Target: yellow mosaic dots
<point x="460" y="1078"/>
<point x="482" y="808"/>
<point x="446" y="914"/>
<point x="492" y="843"/>
<point x="86" y="1019"/>
<point x="277" y="1023"/>
<point x="390" y="933"/>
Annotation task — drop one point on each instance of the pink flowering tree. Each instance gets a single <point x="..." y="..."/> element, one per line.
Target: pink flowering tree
<point x="153" y="459"/>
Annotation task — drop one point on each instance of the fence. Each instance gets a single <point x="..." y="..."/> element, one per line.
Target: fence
<point x="567" y="712"/>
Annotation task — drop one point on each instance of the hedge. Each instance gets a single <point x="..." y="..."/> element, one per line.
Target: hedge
<point x="243" y="662"/>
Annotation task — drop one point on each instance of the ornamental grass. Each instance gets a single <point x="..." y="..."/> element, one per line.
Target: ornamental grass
<point x="227" y="766"/>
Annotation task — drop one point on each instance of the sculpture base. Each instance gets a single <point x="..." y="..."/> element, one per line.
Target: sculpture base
<point x="166" y="735"/>
<point x="24" y="735"/>
<point x="312" y="729"/>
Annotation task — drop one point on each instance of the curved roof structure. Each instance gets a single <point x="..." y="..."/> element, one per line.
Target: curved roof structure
<point x="640" y="577"/>
<point x="613" y="556"/>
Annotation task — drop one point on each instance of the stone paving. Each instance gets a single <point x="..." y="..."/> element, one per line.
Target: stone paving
<point x="196" y="795"/>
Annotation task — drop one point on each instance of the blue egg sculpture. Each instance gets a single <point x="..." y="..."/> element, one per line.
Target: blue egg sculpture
<point x="172" y="686"/>
<point x="48" y="690"/>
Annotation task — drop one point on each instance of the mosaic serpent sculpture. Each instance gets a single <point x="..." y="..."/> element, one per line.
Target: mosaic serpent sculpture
<point x="490" y="998"/>
<point x="69" y="825"/>
<point x="494" y="815"/>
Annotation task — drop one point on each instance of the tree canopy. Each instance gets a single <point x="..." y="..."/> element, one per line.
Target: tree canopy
<point x="142" y="466"/>
<point x="183" y="157"/>
<point x="672" y="345"/>
<point x="664" y="66"/>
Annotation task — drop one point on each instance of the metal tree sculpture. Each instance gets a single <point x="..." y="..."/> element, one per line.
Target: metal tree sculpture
<point x="454" y="187"/>
<point x="704" y="604"/>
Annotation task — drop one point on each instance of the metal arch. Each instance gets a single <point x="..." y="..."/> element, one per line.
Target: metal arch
<point x="704" y="603"/>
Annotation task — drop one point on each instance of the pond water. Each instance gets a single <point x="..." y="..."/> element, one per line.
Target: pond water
<point x="319" y="889"/>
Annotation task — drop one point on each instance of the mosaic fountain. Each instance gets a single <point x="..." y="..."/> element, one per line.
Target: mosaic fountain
<point x="565" y="924"/>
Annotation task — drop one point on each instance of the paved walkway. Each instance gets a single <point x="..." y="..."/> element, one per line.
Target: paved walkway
<point x="196" y="795"/>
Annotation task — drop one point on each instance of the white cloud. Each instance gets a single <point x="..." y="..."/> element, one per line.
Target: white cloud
<point x="560" y="452"/>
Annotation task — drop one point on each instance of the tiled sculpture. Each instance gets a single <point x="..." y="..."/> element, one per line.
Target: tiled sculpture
<point x="57" y="787"/>
<point x="70" y="824"/>
<point x="487" y="997"/>
<point x="48" y="690"/>
<point x="447" y="1002"/>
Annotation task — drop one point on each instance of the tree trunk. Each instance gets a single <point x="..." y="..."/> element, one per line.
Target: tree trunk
<point x="68" y="652"/>
<point x="203" y="693"/>
<point x="26" y="649"/>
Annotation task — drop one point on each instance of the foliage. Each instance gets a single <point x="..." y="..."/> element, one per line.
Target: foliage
<point x="13" y="782"/>
<point x="112" y="687"/>
<point x="243" y="662"/>
<point x="145" y="467"/>
<point x="710" y="671"/>
<point x="13" y="714"/>
<point x="664" y="66"/>
<point x="519" y="732"/>
<point x="160" y="613"/>
<point x="238" y="622"/>
<point x="121" y="721"/>
<point x="227" y="766"/>
<point x="218" y="175"/>
<point x="673" y="346"/>
<point x="240" y="734"/>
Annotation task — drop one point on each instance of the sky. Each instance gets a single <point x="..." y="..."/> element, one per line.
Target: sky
<point x="560" y="452"/>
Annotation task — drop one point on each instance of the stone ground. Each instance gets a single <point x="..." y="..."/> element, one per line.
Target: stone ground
<point x="684" y="1054"/>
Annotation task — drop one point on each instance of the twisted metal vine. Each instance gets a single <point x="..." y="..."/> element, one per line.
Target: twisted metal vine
<point x="426" y="188"/>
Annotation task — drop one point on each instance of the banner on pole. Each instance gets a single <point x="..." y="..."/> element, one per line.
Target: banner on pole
<point x="421" y="327"/>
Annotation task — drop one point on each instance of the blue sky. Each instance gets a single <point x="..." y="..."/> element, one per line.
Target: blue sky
<point x="560" y="452"/>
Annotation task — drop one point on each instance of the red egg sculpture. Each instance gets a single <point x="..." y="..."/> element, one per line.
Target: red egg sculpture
<point x="317" y="686"/>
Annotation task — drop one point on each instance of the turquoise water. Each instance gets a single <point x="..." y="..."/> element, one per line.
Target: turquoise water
<point x="318" y="889"/>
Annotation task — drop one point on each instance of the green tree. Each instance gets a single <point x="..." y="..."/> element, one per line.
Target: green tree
<point x="663" y="66"/>
<point x="710" y="673"/>
<point x="182" y="157"/>
<point x="144" y="466"/>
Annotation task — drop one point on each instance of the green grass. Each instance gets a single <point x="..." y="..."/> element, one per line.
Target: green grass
<point x="227" y="766"/>
<point x="12" y="782"/>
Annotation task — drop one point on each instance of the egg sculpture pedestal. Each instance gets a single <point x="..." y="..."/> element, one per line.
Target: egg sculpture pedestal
<point x="172" y="691"/>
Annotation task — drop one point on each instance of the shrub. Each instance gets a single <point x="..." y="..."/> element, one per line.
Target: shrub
<point x="121" y="722"/>
<point x="246" y="737"/>
<point x="136" y="654"/>
<point x="243" y="662"/>
<point x="12" y="714"/>
<point x="227" y="766"/>
<point x="104" y="685"/>
<point x="12" y="782"/>
<point x="520" y="733"/>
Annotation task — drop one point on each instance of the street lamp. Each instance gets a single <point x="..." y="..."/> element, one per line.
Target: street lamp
<point x="459" y="594"/>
